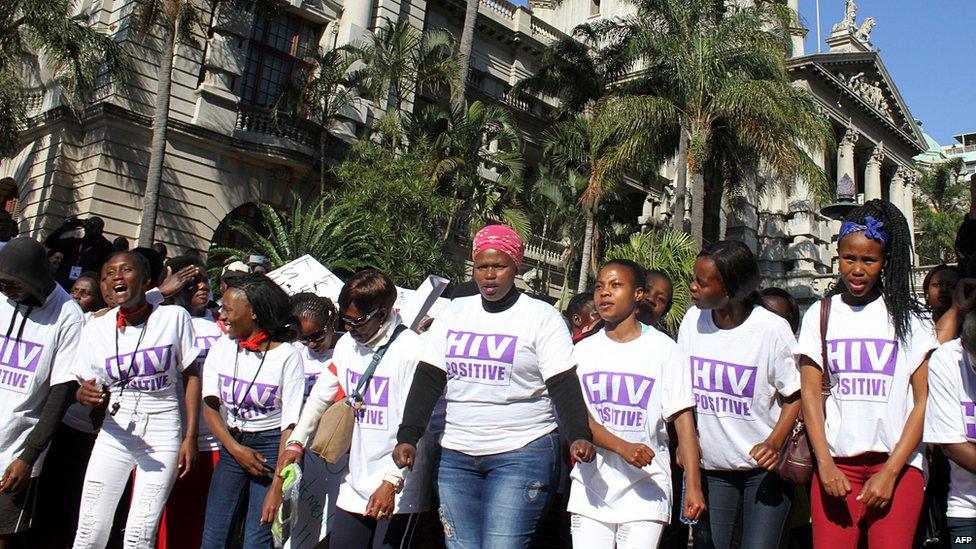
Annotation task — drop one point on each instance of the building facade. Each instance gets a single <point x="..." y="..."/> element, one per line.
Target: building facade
<point x="226" y="151"/>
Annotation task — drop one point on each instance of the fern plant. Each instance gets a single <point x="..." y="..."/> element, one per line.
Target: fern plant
<point x="329" y="234"/>
<point x="668" y="251"/>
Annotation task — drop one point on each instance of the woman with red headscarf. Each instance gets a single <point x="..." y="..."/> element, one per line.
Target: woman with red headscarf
<point x="505" y="359"/>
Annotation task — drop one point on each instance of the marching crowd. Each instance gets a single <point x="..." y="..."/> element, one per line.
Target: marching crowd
<point x="138" y="413"/>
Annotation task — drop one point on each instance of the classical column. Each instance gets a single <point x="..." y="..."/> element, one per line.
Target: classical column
<point x="896" y="189"/>
<point x="872" y="173"/>
<point x="908" y="206"/>
<point x="355" y="20"/>
<point x="845" y="154"/>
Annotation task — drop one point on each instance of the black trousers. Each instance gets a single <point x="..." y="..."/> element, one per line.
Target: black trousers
<point x="355" y="531"/>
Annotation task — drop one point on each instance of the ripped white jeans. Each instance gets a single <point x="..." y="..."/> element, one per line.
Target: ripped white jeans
<point x="150" y="442"/>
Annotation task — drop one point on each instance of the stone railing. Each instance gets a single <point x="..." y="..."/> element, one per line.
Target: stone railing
<point x="261" y="120"/>
<point x="545" y="251"/>
<point x="502" y="7"/>
<point x="541" y="28"/>
<point x="34" y="100"/>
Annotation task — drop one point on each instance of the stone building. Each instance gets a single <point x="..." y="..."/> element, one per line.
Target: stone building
<point x="225" y="151"/>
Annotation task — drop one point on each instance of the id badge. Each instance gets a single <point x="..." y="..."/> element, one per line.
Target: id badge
<point x="75" y="272"/>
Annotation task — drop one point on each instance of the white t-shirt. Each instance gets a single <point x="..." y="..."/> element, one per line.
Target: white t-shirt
<point x="374" y="433"/>
<point x="29" y="366"/>
<point x="78" y="416"/>
<point x="142" y="370"/>
<point x="738" y="376"/>
<point x="632" y="389"/>
<point x="206" y="332"/>
<point x="870" y="369"/>
<point x="950" y="418"/>
<point x="254" y="396"/>
<point x="496" y="365"/>
<point x="314" y="363"/>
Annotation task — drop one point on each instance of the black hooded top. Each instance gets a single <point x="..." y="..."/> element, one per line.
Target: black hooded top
<point x="25" y="261"/>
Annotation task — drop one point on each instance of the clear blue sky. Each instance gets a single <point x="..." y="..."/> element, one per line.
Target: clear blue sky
<point x="928" y="46"/>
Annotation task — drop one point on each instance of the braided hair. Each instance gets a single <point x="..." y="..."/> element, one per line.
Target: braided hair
<point x="307" y="305"/>
<point x="896" y="278"/>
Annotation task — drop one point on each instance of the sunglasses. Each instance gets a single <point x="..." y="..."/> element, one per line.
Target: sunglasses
<point x="357" y="322"/>
<point x="314" y="337"/>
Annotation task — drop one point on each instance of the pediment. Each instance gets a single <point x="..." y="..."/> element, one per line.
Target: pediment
<point x="864" y="76"/>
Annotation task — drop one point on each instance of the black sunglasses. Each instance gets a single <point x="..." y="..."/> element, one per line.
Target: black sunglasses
<point x="357" y="322"/>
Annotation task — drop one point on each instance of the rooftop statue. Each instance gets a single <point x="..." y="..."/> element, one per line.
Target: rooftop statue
<point x="847" y="23"/>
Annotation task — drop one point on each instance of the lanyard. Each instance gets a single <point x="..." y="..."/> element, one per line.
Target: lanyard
<point x="129" y="372"/>
<point x="233" y="384"/>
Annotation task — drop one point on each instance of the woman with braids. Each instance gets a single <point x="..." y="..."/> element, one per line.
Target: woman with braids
<point x="746" y="386"/>
<point x="317" y="317"/>
<point x="510" y="360"/>
<point x="868" y="479"/>
<point x="252" y="392"/>
<point x="320" y="480"/>
<point x="130" y="360"/>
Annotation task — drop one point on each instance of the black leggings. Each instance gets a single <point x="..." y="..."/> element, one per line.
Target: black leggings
<point x="355" y="531"/>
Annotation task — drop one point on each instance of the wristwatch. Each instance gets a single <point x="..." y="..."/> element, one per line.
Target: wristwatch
<point x="396" y="481"/>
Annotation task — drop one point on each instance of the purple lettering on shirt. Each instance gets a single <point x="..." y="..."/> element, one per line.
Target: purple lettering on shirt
<point x="260" y="399"/>
<point x="376" y="400"/>
<point x="969" y="418"/>
<point x="864" y="368"/>
<point x="717" y="376"/>
<point x="480" y="358"/>
<point x="142" y="370"/>
<point x="619" y="400"/>
<point x="20" y="354"/>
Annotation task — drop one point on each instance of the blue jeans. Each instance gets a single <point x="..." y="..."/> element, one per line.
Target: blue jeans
<point x="496" y="501"/>
<point x="229" y="484"/>
<point x="962" y="532"/>
<point x="763" y="499"/>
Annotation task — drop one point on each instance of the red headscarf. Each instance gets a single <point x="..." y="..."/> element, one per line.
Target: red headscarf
<point x="502" y="238"/>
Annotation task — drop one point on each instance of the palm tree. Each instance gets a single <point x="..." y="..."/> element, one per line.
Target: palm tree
<point x="671" y="252"/>
<point x="576" y="72"/>
<point x="476" y="152"/>
<point x="942" y="210"/>
<point x="464" y="53"/>
<point x="552" y="201"/>
<point x="286" y="235"/>
<point x="714" y="74"/>
<point x="391" y="63"/>
<point x="324" y="96"/>
<point x="589" y="146"/>
<point x="176" y="21"/>
<point x="76" y="54"/>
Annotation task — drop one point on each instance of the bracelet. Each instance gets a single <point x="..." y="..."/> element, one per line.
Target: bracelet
<point x="295" y="447"/>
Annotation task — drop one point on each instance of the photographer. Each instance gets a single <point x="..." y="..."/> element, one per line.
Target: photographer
<point x="80" y="254"/>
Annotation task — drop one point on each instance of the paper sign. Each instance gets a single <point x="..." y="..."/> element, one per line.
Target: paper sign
<point x="320" y="488"/>
<point x="414" y="304"/>
<point x="305" y="274"/>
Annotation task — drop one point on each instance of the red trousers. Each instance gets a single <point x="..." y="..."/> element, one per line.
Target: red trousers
<point x="182" y="522"/>
<point x="847" y="523"/>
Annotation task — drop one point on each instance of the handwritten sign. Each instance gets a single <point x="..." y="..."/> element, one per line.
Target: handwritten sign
<point x="305" y="274"/>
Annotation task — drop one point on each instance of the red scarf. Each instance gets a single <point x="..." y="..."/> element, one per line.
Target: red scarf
<point x="123" y="316"/>
<point x="254" y="342"/>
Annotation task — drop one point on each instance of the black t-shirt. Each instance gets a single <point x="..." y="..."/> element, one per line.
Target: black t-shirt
<point x="80" y="256"/>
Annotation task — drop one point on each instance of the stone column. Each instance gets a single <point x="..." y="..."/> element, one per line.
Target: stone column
<point x="355" y="21"/>
<point x="845" y="154"/>
<point x="908" y="206"/>
<point x="872" y="173"/>
<point x="896" y="189"/>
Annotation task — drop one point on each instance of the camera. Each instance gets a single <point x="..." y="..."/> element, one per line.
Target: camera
<point x="75" y="223"/>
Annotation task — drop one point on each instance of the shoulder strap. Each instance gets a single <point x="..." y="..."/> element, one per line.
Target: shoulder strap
<point x="377" y="357"/>
<point x="825" y="365"/>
